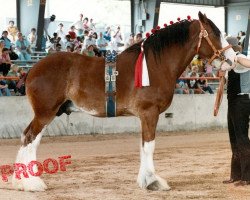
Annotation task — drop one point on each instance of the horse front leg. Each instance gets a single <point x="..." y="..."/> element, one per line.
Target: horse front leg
<point x="147" y="177"/>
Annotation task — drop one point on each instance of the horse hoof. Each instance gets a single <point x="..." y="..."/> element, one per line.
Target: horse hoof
<point x="157" y="186"/>
<point x="31" y="184"/>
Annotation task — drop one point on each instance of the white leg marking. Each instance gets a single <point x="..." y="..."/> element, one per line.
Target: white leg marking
<point x="24" y="156"/>
<point x="147" y="174"/>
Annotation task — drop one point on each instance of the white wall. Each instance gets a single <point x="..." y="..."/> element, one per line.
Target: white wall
<point x="190" y="112"/>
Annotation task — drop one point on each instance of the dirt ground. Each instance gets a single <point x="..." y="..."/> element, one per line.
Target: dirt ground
<point x="105" y="167"/>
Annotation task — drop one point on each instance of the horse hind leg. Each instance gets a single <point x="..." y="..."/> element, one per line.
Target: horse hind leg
<point x="27" y="153"/>
<point x="147" y="177"/>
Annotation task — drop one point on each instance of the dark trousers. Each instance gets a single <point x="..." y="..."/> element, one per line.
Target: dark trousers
<point x="238" y="126"/>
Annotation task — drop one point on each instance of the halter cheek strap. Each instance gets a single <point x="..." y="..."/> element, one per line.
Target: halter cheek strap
<point x="217" y="52"/>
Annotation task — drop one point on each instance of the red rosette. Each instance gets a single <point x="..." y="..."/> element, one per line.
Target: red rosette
<point x="165" y="25"/>
<point x="153" y="31"/>
<point x="171" y="22"/>
<point x="147" y="34"/>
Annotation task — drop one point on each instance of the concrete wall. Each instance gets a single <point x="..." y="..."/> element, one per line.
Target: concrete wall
<point x="190" y="112"/>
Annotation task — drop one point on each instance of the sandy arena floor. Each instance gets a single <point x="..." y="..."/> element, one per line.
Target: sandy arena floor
<point x="105" y="167"/>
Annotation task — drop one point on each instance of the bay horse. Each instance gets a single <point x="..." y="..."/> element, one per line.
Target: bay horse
<point x="63" y="77"/>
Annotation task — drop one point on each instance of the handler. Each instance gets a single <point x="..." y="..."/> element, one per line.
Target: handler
<point x="238" y="94"/>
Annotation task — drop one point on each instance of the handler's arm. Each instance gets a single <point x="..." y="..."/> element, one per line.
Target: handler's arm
<point x="243" y="61"/>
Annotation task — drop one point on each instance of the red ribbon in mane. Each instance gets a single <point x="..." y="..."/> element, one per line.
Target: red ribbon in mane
<point x="138" y="71"/>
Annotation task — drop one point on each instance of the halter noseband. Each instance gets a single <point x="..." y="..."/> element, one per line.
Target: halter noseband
<point x="217" y="52"/>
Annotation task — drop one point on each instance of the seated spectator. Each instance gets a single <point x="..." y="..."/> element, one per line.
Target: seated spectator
<point x="95" y="36"/>
<point x="12" y="54"/>
<point x="6" y="40"/>
<point x="12" y="30"/>
<point x="69" y="49"/>
<point x="181" y="86"/>
<point x="58" y="48"/>
<point x="91" y="25"/>
<point x="23" y="47"/>
<point x="118" y="37"/>
<point x="102" y="44"/>
<point x="138" y="37"/>
<point x="4" y="88"/>
<point x="130" y="41"/>
<point x="21" y="83"/>
<point x="68" y="42"/>
<point x="87" y="42"/>
<point x="11" y="83"/>
<point x="194" y="85"/>
<point x="197" y="61"/>
<point x="72" y="33"/>
<point x="107" y="34"/>
<point x="90" y="51"/>
<point x="5" y="62"/>
<point x="32" y="37"/>
<point x="60" y="32"/>
<point x="85" y="23"/>
<point x="204" y="85"/>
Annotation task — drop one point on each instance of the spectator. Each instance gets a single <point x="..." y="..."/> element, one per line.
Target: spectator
<point x="23" y="47"/>
<point x="12" y="54"/>
<point x="12" y="30"/>
<point x="32" y="37"/>
<point x="181" y="86"/>
<point x="4" y="88"/>
<point x="6" y="40"/>
<point x="58" y="48"/>
<point x="13" y="73"/>
<point x="87" y="42"/>
<point x="138" y="37"/>
<point x="69" y="49"/>
<point x="68" y="41"/>
<point x="107" y="34"/>
<point x="199" y="63"/>
<point x="194" y="85"/>
<point x="242" y="36"/>
<point x="49" y="26"/>
<point x="90" y="51"/>
<point x="94" y="35"/>
<point x="130" y="41"/>
<point x="72" y="33"/>
<point x="60" y="32"/>
<point x="118" y="37"/>
<point x="5" y="61"/>
<point x="21" y="83"/>
<point x="85" y="23"/>
<point x="79" y="26"/>
<point x="91" y="25"/>
<point x="102" y="44"/>
<point x="204" y="85"/>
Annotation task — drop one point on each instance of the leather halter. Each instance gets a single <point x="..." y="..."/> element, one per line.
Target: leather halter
<point x="217" y="52"/>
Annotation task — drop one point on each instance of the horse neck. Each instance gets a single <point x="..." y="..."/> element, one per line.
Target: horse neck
<point x="178" y="57"/>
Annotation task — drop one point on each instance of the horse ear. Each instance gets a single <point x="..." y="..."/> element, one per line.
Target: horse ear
<point x="202" y="18"/>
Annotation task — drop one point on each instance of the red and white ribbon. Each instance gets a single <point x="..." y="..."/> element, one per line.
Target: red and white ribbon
<point x="141" y="70"/>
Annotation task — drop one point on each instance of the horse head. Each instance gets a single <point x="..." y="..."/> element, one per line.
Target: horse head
<point x="210" y="40"/>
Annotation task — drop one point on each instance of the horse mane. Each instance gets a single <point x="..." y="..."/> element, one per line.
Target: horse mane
<point x="175" y="34"/>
